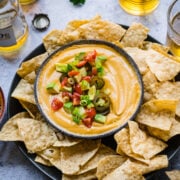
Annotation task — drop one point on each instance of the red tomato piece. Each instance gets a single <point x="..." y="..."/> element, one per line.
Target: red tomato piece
<point x="81" y="63"/>
<point x="64" y="81"/>
<point x="75" y="94"/>
<point x="56" y="104"/>
<point x="87" y="122"/>
<point x="77" y="88"/>
<point x="90" y="113"/>
<point x="76" y="99"/>
<point x="68" y="94"/>
<point x="91" y="56"/>
<point x="87" y="78"/>
<point x="73" y="73"/>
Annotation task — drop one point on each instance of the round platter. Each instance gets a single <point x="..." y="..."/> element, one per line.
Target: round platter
<point x="13" y="107"/>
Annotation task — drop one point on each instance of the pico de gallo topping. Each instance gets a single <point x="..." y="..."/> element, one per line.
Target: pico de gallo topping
<point x="79" y="89"/>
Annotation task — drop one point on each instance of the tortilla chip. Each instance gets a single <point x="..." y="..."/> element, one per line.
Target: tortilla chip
<point x="65" y="141"/>
<point x="61" y="38"/>
<point x="42" y="161"/>
<point x="147" y="96"/>
<point x="68" y="37"/>
<point x="123" y="145"/>
<point x="107" y="164"/>
<point x="102" y="30"/>
<point x="31" y="65"/>
<point x="57" y="38"/>
<point x="90" y="175"/>
<point x="150" y="85"/>
<point x="135" y="35"/>
<point x="149" y="92"/>
<point x="36" y="135"/>
<point x="127" y="171"/>
<point x="156" y="163"/>
<point x="158" y="114"/>
<point x="74" y="157"/>
<point x="30" y="78"/>
<point x="143" y="144"/>
<point x="149" y="79"/>
<point x="119" y="150"/>
<point x="173" y="175"/>
<point x="102" y="152"/>
<point x="178" y="109"/>
<point x="158" y="47"/>
<point x="168" y="90"/>
<point x="139" y="57"/>
<point x="165" y="135"/>
<point x="52" y="154"/>
<point x="51" y="40"/>
<point x="30" y="108"/>
<point x="73" y="25"/>
<point x="9" y="131"/>
<point x="164" y="67"/>
<point x="24" y="92"/>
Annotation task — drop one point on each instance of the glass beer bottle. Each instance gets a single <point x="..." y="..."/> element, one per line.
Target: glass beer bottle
<point x="173" y="28"/>
<point x="139" y="7"/>
<point x="13" y="26"/>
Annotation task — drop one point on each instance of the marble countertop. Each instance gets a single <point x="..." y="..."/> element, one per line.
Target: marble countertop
<point x="13" y="165"/>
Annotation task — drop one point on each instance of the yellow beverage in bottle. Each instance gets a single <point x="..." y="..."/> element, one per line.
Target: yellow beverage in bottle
<point x="21" y="39"/>
<point x="25" y="2"/>
<point x="173" y="30"/>
<point x="13" y="27"/>
<point x="139" y="7"/>
<point x="172" y="41"/>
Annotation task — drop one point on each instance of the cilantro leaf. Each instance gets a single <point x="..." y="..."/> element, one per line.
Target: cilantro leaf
<point x="77" y="2"/>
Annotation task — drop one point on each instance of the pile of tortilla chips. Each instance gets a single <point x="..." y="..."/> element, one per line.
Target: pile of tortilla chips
<point x="138" y="144"/>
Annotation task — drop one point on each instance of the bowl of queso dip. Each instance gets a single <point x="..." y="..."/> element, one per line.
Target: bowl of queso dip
<point x="89" y="89"/>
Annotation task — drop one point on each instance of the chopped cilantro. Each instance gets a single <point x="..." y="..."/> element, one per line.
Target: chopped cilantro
<point x="77" y="2"/>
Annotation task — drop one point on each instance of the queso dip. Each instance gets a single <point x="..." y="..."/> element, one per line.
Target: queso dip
<point x="121" y="84"/>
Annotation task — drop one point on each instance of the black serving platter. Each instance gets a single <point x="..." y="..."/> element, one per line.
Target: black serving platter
<point x="13" y="107"/>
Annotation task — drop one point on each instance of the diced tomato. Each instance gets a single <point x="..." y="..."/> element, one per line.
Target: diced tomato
<point x="56" y="104"/>
<point x="81" y="63"/>
<point x="94" y="71"/>
<point x="64" y="81"/>
<point x="90" y="113"/>
<point x="87" y="122"/>
<point x="75" y="94"/>
<point x="73" y="73"/>
<point x="77" y="88"/>
<point x="91" y="56"/>
<point x="76" y="99"/>
<point x="87" y="78"/>
<point x="68" y="94"/>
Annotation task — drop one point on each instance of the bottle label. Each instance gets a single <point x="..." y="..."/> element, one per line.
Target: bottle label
<point x="7" y="37"/>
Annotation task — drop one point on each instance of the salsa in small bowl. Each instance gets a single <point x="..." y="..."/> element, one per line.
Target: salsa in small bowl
<point x="89" y="89"/>
<point x="2" y="104"/>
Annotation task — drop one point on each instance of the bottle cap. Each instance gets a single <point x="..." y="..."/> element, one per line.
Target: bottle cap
<point x="41" y="21"/>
